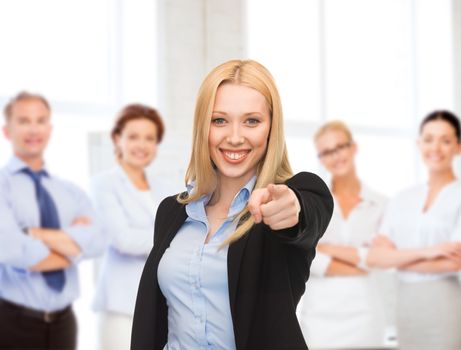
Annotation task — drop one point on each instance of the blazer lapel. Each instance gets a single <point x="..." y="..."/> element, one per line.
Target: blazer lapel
<point x="234" y="259"/>
<point x="151" y="308"/>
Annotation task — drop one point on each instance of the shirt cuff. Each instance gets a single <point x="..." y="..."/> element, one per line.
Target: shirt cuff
<point x="75" y="259"/>
<point x="320" y="264"/>
<point x="363" y="254"/>
<point x="80" y="236"/>
<point x="87" y="238"/>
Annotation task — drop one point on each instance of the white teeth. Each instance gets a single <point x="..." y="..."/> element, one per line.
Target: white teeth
<point x="235" y="156"/>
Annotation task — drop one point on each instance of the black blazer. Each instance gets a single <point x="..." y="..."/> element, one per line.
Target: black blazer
<point x="267" y="272"/>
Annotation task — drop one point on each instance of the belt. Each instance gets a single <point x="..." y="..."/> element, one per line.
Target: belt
<point x="45" y="316"/>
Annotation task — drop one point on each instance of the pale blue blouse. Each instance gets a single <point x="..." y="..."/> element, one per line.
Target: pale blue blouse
<point x="192" y="276"/>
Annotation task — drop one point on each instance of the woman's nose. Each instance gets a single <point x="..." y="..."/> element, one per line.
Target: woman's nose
<point x="235" y="137"/>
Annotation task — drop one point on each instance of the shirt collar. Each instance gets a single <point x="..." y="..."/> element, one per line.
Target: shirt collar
<point x="196" y="209"/>
<point x="241" y="198"/>
<point x="122" y="173"/>
<point x="366" y="194"/>
<point x="15" y="165"/>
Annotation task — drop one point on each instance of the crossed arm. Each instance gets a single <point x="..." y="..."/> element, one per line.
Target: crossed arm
<point x="443" y="257"/>
<point x="278" y="207"/>
<point x="53" y="261"/>
<point x="60" y="244"/>
<point x="344" y="261"/>
<point x="439" y="258"/>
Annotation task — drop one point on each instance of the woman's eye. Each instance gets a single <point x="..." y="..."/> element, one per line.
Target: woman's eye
<point x="218" y="121"/>
<point x="253" y="121"/>
<point x="427" y="139"/>
<point x="447" y="141"/>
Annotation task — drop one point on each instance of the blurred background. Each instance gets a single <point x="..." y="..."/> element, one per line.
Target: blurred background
<point x="378" y="65"/>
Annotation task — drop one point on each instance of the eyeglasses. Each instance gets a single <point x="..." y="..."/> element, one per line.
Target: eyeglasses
<point x="330" y="152"/>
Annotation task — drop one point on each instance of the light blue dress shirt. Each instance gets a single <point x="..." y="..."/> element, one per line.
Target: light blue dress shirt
<point x="19" y="251"/>
<point x="192" y="276"/>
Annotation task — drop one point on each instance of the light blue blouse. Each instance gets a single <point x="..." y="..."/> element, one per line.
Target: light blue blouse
<point x="192" y="276"/>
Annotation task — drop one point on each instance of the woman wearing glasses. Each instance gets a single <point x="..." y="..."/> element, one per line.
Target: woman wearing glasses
<point x="341" y="307"/>
<point x="421" y="237"/>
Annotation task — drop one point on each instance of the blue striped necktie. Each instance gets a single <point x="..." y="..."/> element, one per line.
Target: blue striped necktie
<point x="49" y="218"/>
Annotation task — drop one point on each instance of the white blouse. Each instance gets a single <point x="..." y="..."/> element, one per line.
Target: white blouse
<point x="340" y="311"/>
<point x="149" y="199"/>
<point x="408" y="226"/>
<point x="357" y="230"/>
<point x="127" y="216"/>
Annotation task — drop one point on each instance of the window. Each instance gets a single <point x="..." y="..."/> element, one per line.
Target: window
<point x="380" y="66"/>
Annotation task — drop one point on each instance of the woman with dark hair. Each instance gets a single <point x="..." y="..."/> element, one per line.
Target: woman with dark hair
<point x="421" y="237"/>
<point x="126" y="198"/>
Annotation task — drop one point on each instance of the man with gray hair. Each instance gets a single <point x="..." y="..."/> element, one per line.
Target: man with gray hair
<point x="47" y="226"/>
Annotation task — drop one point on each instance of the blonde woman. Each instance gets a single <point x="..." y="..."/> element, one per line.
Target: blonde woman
<point x="127" y="198"/>
<point x="421" y="237"/>
<point x="231" y="255"/>
<point x="342" y="308"/>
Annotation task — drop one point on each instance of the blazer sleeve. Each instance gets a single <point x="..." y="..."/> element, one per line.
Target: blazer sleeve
<point x="316" y="211"/>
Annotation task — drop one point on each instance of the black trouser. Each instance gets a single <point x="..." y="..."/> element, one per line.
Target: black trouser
<point x="23" y="328"/>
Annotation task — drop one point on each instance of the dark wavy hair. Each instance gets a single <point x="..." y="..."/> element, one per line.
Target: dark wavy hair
<point x="133" y="112"/>
<point x="137" y="111"/>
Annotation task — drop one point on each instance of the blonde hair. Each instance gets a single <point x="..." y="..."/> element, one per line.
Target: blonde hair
<point x="335" y="125"/>
<point x="274" y="167"/>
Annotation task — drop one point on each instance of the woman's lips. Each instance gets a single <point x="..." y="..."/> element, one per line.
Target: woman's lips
<point x="235" y="157"/>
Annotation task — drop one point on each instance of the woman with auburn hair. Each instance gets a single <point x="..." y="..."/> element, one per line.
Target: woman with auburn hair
<point x="231" y="254"/>
<point x="421" y="237"/>
<point x="343" y="295"/>
<point x="126" y="198"/>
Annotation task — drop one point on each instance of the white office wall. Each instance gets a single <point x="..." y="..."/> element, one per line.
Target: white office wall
<point x="87" y="57"/>
<point x="379" y="65"/>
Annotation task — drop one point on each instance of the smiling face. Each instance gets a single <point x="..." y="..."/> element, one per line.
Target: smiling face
<point x="240" y="126"/>
<point x="137" y="143"/>
<point x="336" y="152"/>
<point x="28" y="128"/>
<point x="438" y="145"/>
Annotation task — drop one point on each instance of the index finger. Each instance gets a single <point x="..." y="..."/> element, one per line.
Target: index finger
<point x="277" y="191"/>
<point x="258" y="197"/>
